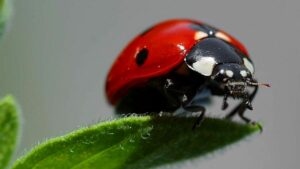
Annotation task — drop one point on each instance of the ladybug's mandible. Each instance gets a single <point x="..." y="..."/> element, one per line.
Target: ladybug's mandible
<point x="178" y="62"/>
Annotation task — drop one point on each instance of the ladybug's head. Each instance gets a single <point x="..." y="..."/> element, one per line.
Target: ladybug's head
<point x="233" y="78"/>
<point x="226" y="65"/>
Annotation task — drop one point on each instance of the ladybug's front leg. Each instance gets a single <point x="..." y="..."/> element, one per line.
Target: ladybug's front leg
<point x="241" y="108"/>
<point x="225" y="103"/>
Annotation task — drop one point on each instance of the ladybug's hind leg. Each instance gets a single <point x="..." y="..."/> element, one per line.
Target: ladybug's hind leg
<point x="241" y="108"/>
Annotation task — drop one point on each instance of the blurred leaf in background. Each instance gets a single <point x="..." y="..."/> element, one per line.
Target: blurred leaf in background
<point x="9" y="120"/>
<point x="9" y="129"/>
<point x="5" y="13"/>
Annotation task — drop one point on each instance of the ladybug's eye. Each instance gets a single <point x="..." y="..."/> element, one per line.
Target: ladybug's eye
<point x="141" y="56"/>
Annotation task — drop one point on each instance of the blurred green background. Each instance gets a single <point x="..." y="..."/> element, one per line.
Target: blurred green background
<point x="57" y="53"/>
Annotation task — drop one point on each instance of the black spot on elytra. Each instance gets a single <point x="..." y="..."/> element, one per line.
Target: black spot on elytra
<point x="141" y="56"/>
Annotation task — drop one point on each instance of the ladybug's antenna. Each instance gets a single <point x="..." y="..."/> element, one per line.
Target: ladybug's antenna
<point x="258" y="84"/>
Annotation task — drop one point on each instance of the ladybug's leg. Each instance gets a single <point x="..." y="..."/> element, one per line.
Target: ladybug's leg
<point x="178" y="94"/>
<point x="199" y="119"/>
<point x="196" y="108"/>
<point x="172" y="93"/>
<point x="242" y="116"/>
<point x="241" y="108"/>
<point x="225" y="104"/>
<point x="191" y="106"/>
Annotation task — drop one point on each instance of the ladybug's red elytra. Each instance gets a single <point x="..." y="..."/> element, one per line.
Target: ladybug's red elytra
<point x="177" y="61"/>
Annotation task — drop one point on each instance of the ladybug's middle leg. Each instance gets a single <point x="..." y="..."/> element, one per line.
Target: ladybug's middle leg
<point x="241" y="108"/>
<point x="173" y="93"/>
<point x="178" y="95"/>
<point x="196" y="108"/>
<point x="191" y="106"/>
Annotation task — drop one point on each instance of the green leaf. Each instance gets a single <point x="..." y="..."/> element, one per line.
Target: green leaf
<point x="9" y="128"/>
<point x="5" y="12"/>
<point x="134" y="142"/>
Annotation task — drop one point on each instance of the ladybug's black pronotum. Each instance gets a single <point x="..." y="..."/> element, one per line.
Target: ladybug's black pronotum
<point x="176" y="62"/>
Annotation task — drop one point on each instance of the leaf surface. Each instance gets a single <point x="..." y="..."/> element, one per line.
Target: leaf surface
<point x="134" y="142"/>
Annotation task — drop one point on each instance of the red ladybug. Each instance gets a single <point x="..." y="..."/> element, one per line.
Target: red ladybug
<point x="178" y="62"/>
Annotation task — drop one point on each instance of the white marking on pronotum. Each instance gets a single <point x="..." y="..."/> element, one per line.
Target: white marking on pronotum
<point x="248" y="65"/>
<point x="243" y="73"/>
<point x="205" y="65"/>
<point x="200" y="35"/>
<point x="229" y="73"/>
<point x="223" y="36"/>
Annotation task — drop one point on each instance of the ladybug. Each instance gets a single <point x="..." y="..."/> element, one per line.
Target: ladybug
<point x="178" y="63"/>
